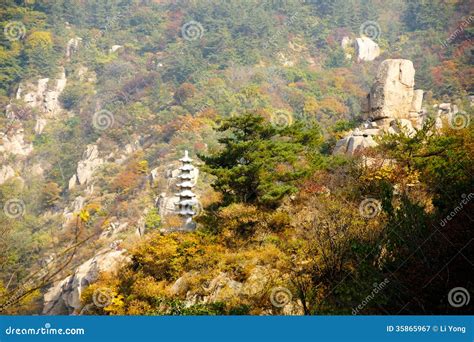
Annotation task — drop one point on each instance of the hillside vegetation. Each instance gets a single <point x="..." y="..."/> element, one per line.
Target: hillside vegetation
<point x="259" y="92"/>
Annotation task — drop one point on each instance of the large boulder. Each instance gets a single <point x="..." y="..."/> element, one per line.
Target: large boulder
<point x="6" y="172"/>
<point x="72" y="46"/>
<point x="86" y="167"/>
<point x="353" y="144"/>
<point x="64" y="297"/>
<point x="391" y="95"/>
<point x="393" y="106"/>
<point x="366" y="49"/>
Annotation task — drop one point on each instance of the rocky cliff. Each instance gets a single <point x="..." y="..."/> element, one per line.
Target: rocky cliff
<point x="392" y="104"/>
<point x="64" y="297"/>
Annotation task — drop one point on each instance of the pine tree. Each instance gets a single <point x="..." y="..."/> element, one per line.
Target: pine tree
<point x="259" y="163"/>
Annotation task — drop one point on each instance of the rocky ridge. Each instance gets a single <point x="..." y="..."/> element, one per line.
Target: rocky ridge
<point x="393" y="104"/>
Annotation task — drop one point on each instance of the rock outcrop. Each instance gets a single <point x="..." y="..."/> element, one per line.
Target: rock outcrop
<point x="115" y="48"/>
<point x="44" y="95"/>
<point x="85" y="168"/>
<point x="64" y="297"/>
<point x="6" y="172"/>
<point x="366" y="49"/>
<point x="223" y="288"/>
<point x="445" y="110"/>
<point x="392" y="94"/>
<point x="392" y="105"/>
<point x="14" y="143"/>
<point x="72" y="46"/>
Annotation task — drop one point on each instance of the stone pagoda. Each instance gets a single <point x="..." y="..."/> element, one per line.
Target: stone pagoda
<point x="187" y="203"/>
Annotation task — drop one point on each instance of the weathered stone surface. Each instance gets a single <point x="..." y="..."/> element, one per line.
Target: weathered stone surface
<point x="6" y="172"/>
<point x="72" y="182"/>
<point x="222" y="288"/>
<point x="72" y="46"/>
<point x="357" y="143"/>
<point x="417" y="101"/>
<point x="391" y="95"/>
<point x="64" y="297"/>
<point x="44" y="95"/>
<point x="346" y="42"/>
<point x="37" y="170"/>
<point x="115" y="48"/>
<point x="392" y="106"/>
<point x="15" y="144"/>
<point x="445" y="106"/>
<point x="89" y="163"/>
<point x="366" y="49"/>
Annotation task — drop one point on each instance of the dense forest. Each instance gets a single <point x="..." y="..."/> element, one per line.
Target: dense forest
<point x="259" y="92"/>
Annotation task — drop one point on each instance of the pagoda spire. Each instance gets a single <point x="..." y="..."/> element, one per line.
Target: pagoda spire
<point x="186" y="206"/>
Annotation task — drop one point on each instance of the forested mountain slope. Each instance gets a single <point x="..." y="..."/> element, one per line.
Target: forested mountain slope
<point x="102" y="98"/>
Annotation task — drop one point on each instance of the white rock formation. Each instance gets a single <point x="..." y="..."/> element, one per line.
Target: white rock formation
<point x="64" y="297"/>
<point x="43" y="95"/>
<point x="72" y="46"/>
<point x="37" y="170"/>
<point x="393" y="106"/>
<point x="366" y="49"/>
<point x="6" y="172"/>
<point x="401" y="125"/>
<point x="392" y="93"/>
<point x="74" y="207"/>
<point x="85" y="168"/>
<point x="115" y="48"/>
<point x="72" y="182"/>
<point x="14" y="144"/>
<point x="446" y="112"/>
<point x="356" y="141"/>
<point x="346" y="42"/>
